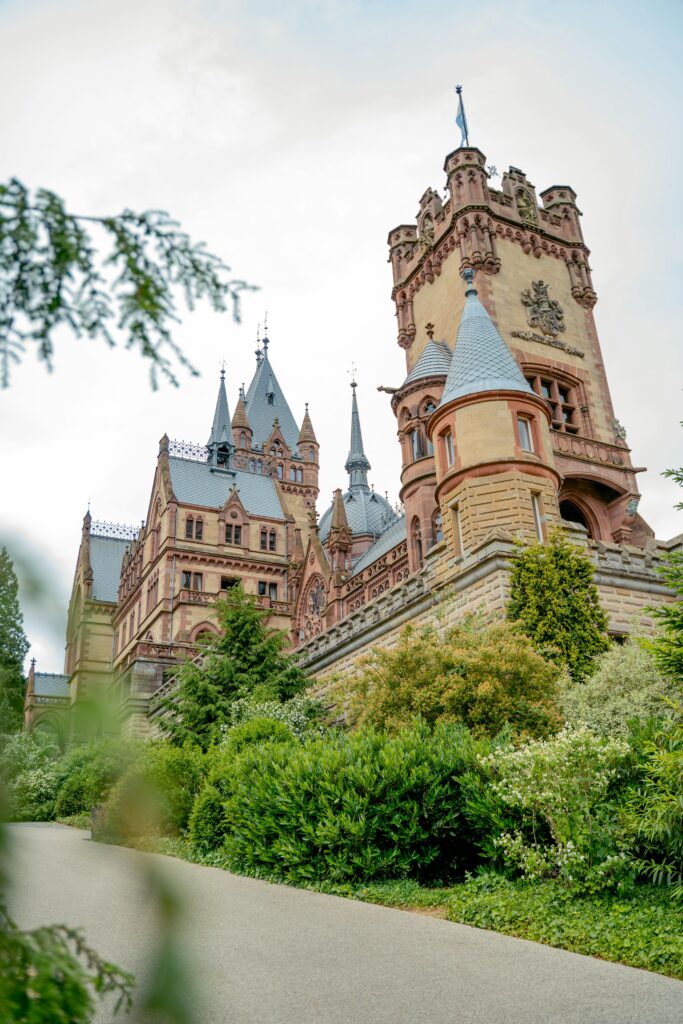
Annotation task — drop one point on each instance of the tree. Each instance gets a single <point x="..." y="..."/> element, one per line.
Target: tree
<point x="668" y="647"/>
<point x="246" y="659"/>
<point x="556" y="603"/>
<point x="51" y="275"/>
<point x="487" y="677"/>
<point x="13" y="647"/>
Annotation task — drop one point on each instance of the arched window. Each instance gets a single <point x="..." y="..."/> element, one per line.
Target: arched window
<point x="264" y="539"/>
<point x="416" y="445"/>
<point x="272" y="540"/>
<point x="311" y="454"/>
<point x="199" y="529"/>
<point x="252" y="466"/>
<point x="573" y="514"/>
<point x="189" y="528"/>
<point x="280" y="470"/>
<point x="243" y="440"/>
<point x="292" y="473"/>
<point x="416" y="532"/>
<point x="437" y="528"/>
<point x="429" y="408"/>
<point x="299" y="476"/>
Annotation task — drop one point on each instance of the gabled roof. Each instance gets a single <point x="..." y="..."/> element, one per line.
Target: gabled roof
<point x="194" y="483"/>
<point x="392" y="536"/>
<point x="106" y="556"/>
<point x="434" y="362"/>
<point x="262" y="413"/>
<point x="481" y="360"/>
<point x="50" y="684"/>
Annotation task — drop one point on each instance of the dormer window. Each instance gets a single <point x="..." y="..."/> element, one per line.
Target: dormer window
<point x="271" y="398"/>
<point x="189" y="528"/>
<point x="199" y="529"/>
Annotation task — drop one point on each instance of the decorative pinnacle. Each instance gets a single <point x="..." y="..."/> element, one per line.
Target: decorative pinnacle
<point x="429" y="328"/>
<point x="352" y="373"/>
<point x="468" y="274"/>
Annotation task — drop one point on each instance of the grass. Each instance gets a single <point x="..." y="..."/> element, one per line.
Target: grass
<point x="642" y="929"/>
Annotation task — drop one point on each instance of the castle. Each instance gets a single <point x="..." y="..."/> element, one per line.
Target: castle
<point x="506" y="428"/>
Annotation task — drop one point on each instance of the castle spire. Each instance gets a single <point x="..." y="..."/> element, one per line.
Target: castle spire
<point x="357" y="464"/>
<point x="221" y="430"/>
<point x="307" y="433"/>
<point x="481" y="360"/>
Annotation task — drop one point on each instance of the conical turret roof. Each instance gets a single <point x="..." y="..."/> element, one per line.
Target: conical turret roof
<point x="266" y="402"/>
<point x="221" y="432"/>
<point x="307" y="433"/>
<point x="481" y="360"/>
<point x="434" y="362"/>
<point x="339" y="520"/>
<point x="240" y="420"/>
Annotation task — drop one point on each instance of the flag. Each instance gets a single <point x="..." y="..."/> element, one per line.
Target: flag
<point x="460" y="118"/>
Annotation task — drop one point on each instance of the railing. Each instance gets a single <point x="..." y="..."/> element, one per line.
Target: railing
<point x="58" y="701"/>
<point x="585" y="448"/>
<point x="120" y="531"/>
<point x="189" y="450"/>
<point x="282" y="607"/>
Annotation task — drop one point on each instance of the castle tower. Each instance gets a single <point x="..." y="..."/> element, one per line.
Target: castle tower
<point x="220" y="440"/>
<point x="309" y="450"/>
<point x="241" y="428"/>
<point x="413" y="404"/>
<point x="491" y="436"/>
<point x="535" y="281"/>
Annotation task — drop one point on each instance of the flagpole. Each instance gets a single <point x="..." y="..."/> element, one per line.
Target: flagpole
<point x="465" y="131"/>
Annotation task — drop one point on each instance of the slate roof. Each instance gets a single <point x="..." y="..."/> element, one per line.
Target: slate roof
<point x="106" y="555"/>
<point x="221" y="432"/>
<point x="195" y="484"/>
<point x="262" y="413"/>
<point x="366" y="512"/>
<point x="50" y="684"/>
<point x="434" y="362"/>
<point x="392" y="536"/>
<point x="481" y="359"/>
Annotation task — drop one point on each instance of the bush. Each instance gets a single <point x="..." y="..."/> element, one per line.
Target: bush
<point x="87" y="772"/>
<point x="155" y="795"/>
<point x="563" y="789"/>
<point x="207" y="825"/>
<point x="625" y="684"/>
<point x="488" y="678"/>
<point x="354" y="807"/>
<point x="29" y="772"/>
<point x="301" y="714"/>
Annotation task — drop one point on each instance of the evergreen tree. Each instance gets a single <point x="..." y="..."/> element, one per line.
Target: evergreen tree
<point x="246" y="659"/>
<point x="668" y="647"/>
<point x="13" y="647"/>
<point x="556" y="603"/>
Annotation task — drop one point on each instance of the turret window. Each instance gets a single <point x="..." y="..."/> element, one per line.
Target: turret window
<point x="416" y="445"/>
<point x="311" y="454"/>
<point x="538" y="515"/>
<point x="416" y="531"/>
<point x="243" y="440"/>
<point x="525" y="436"/>
<point x="448" y="448"/>
<point x="437" y="528"/>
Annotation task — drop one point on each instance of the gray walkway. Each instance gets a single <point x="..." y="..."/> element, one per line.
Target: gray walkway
<point x="268" y="954"/>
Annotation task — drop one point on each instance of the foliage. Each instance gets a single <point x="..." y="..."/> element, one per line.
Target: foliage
<point x="556" y="603"/>
<point x="87" y="772"/>
<point x="245" y="660"/>
<point x="49" y="976"/>
<point x="563" y="791"/>
<point x="207" y="826"/>
<point x="485" y="677"/>
<point x="653" y="815"/>
<point x="13" y="648"/>
<point x="52" y="276"/>
<point x="359" y="806"/>
<point x="301" y="714"/>
<point x="625" y="684"/>
<point x="154" y="796"/>
<point x="29" y="765"/>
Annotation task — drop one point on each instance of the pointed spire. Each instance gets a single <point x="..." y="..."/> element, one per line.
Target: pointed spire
<point x="221" y="432"/>
<point x="240" y="420"/>
<point x="339" y="520"/>
<point x="481" y="360"/>
<point x="357" y="464"/>
<point x="298" y="550"/>
<point x="307" y="433"/>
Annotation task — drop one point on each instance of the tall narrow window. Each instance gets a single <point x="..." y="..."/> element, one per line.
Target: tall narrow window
<point x="186" y="580"/>
<point x="437" y="527"/>
<point x="197" y="581"/>
<point x="417" y="540"/>
<point x="238" y="535"/>
<point x="272" y="591"/>
<point x="449" y="448"/>
<point x="272" y="540"/>
<point x="299" y="476"/>
<point x="311" y="454"/>
<point x="243" y="440"/>
<point x="416" y="445"/>
<point x="280" y="471"/>
<point x="189" y="528"/>
<point x="228" y="533"/>
<point x="525" y="437"/>
<point x="538" y="515"/>
<point x="262" y="588"/>
<point x="264" y="540"/>
<point x="199" y="529"/>
<point x="457" y="530"/>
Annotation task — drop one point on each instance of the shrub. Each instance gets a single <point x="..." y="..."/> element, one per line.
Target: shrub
<point x="653" y="817"/>
<point x="353" y="807"/>
<point x="556" y="603"/>
<point x="87" y="772"/>
<point x="625" y="684"/>
<point x="29" y="771"/>
<point x="207" y="825"/>
<point x="301" y="714"/>
<point x="563" y="790"/>
<point x="155" y="795"/>
<point x="485" y="677"/>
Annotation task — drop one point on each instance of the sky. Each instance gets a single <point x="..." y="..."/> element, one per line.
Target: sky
<point x="291" y="137"/>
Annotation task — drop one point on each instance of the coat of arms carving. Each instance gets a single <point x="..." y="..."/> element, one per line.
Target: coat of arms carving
<point x="542" y="311"/>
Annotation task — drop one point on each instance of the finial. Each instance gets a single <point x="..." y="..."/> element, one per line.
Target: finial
<point x="223" y="369"/>
<point x="429" y="328"/>
<point x="352" y="373"/>
<point x="468" y="274"/>
<point x="306" y="406"/>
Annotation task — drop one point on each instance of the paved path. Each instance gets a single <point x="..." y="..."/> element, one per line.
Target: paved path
<point x="269" y="954"/>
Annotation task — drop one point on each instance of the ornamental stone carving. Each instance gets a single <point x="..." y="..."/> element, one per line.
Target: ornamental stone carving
<point x="542" y="311"/>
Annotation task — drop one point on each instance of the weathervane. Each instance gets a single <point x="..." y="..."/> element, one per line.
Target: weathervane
<point x="352" y="373"/>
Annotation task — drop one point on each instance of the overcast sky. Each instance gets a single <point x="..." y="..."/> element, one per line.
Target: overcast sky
<point x="291" y="137"/>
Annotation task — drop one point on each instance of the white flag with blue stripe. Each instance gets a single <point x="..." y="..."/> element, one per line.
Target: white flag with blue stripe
<point x="461" y="120"/>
